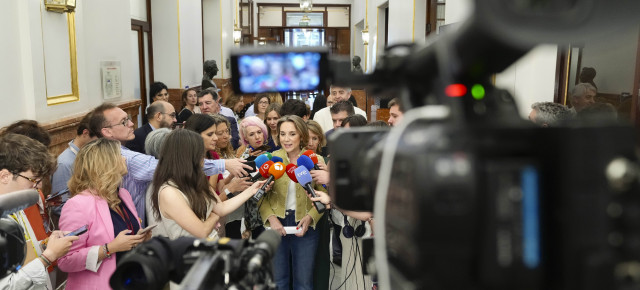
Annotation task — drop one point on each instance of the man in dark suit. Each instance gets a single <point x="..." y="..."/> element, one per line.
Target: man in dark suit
<point x="160" y="114"/>
<point x="209" y="103"/>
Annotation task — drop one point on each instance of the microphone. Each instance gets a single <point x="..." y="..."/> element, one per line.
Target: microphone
<point x="314" y="158"/>
<point x="265" y="247"/>
<point x="304" y="178"/>
<point x="276" y="159"/>
<point x="261" y="160"/>
<point x="291" y="172"/>
<point x="263" y="170"/>
<point x="17" y="201"/>
<point x="276" y="170"/>
<point x="268" y="155"/>
<point x="307" y="162"/>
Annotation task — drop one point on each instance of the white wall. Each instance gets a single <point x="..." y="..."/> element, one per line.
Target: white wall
<point x="139" y="9"/>
<point x="401" y="21"/>
<point x="457" y="10"/>
<point x="22" y="76"/>
<point x="218" y="33"/>
<point x="166" y="44"/>
<point x="420" y="24"/>
<point x="190" y="43"/>
<point x="337" y="17"/>
<point x="270" y="16"/>
<point x="11" y="56"/>
<point x="613" y="58"/>
<point x="532" y="78"/>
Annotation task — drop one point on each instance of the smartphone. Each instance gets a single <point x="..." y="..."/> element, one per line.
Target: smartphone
<point x="79" y="231"/>
<point x="57" y="194"/>
<point x="264" y="148"/>
<point x="145" y="230"/>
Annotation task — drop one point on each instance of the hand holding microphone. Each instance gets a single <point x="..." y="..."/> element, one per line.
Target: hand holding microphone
<point x="301" y="175"/>
<point x="260" y="160"/>
<point x="307" y="162"/>
<point x="314" y="158"/>
<point x="271" y="171"/>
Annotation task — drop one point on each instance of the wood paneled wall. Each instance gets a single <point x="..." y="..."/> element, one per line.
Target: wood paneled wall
<point x="64" y="130"/>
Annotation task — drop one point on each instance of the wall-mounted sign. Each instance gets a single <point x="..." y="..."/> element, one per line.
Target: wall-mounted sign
<point x="111" y="79"/>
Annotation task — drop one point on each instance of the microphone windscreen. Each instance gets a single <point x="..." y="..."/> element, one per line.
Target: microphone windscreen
<point x="268" y="155"/>
<point x="291" y="172"/>
<point x="264" y="169"/>
<point x="17" y="201"/>
<point x="277" y="170"/>
<point x="312" y="155"/>
<point x="276" y="159"/>
<point x="261" y="160"/>
<point x="269" y="240"/>
<point x="305" y="161"/>
<point x="303" y="175"/>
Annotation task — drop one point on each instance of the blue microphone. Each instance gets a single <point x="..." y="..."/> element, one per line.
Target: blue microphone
<point x="304" y="178"/>
<point x="307" y="163"/>
<point x="261" y="160"/>
<point x="277" y="159"/>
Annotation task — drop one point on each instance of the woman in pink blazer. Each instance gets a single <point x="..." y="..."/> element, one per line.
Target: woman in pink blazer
<point x="107" y="210"/>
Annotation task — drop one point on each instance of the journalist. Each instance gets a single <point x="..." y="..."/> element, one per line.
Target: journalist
<point x="24" y="163"/>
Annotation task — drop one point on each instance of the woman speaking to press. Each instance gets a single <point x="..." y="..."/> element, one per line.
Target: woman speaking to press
<point x="287" y="205"/>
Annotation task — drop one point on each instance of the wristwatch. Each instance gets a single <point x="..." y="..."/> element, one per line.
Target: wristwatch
<point x="229" y="193"/>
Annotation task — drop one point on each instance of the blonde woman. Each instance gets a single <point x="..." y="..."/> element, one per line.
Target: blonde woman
<point x="253" y="135"/>
<point x="99" y="202"/>
<point x="316" y="137"/>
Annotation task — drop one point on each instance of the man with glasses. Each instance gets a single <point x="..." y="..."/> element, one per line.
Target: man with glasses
<point x="160" y="114"/>
<point x="23" y="164"/>
<point x="209" y="103"/>
<point x="109" y="121"/>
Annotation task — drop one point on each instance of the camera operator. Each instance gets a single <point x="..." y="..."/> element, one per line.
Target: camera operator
<point x="24" y="163"/>
<point x="354" y="226"/>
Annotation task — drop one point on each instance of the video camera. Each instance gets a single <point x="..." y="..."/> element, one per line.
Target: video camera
<point x="468" y="194"/>
<point x="13" y="246"/>
<point x="199" y="264"/>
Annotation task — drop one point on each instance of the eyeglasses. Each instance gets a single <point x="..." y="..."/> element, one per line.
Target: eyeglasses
<point x="223" y="132"/>
<point x="172" y="115"/>
<point x="33" y="180"/>
<point x="124" y="122"/>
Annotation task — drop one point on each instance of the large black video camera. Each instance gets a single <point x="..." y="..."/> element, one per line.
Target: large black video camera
<point x="199" y="264"/>
<point x="467" y="194"/>
<point x="13" y="247"/>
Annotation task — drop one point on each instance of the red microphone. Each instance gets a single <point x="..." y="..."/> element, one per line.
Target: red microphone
<point x="264" y="169"/>
<point x="314" y="158"/>
<point x="275" y="171"/>
<point x="291" y="172"/>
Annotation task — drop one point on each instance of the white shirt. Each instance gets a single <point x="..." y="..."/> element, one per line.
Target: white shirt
<point x="249" y="112"/>
<point x="291" y="196"/>
<point x="323" y="117"/>
<point x="31" y="276"/>
<point x="227" y="112"/>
